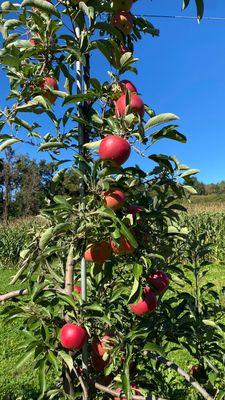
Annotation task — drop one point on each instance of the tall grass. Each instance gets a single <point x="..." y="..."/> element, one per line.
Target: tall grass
<point x="13" y="238"/>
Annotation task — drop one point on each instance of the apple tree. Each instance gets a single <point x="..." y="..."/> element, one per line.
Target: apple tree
<point x="94" y="275"/>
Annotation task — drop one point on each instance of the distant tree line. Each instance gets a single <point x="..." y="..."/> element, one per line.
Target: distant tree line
<point x="209" y="188"/>
<point x="25" y="183"/>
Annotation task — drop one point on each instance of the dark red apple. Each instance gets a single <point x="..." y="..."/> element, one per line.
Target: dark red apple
<point x="136" y="105"/>
<point x="147" y="304"/>
<point x="159" y="281"/>
<point x="73" y="337"/>
<point x="49" y="81"/>
<point x="123" y="20"/>
<point x="127" y="85"/>
<point x="115" y="149"/>
<point x="114" y="199"/>
<point x="124" y="247"/>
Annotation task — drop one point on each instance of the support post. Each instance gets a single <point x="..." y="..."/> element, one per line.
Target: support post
<point x="82" y="79"/>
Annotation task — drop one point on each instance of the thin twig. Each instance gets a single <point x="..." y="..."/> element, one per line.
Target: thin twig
<point x="14" y="293"/>
<point x="23" y="292"/>
<point x="181" y="372"/>
<point x="106" y="389"/>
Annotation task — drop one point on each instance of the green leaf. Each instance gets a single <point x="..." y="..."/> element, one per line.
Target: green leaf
<point x="8" y="143"/>
<point x="67" y="359"/>
<point x="92" y="145"/>
<point x="126" y="232"/>
<point x="137" y="271"/>
<point x="153" y="347"/>
<point x="94" y="307"/>
<point x="51" y="145"/>
<point x="53" y="359"/>
<point x="24" y="358"/>
<point x="42" y="378"/>
<point x="110" y="29"/>
<point x="168" y="132"/>
<point x="77" y="98"/>
<point x="185" y="4"/>
<point x="45" y="238"/>
<point x="200" y="8"/>
<point x="160" y="119"/>
<point x="190" y="189"/>
<point x="190" y="172"/>
<point x="62" y="227"/>
<point x="43" y="5"/>
<point x="136" y="292"/>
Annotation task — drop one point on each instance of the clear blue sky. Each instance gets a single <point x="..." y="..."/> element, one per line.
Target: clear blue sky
<point x="182" y="71"/>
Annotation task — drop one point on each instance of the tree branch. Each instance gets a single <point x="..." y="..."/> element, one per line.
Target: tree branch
<point x="14" y="293"/>
<point x="181" y="372"/>
<point x="106" y="389"/>
<point x="69" y="272"/>
<point x="22" y="292"/>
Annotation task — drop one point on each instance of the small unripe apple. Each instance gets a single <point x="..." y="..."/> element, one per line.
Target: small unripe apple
<point x="49" y="81"/>
<point x="136" y="105"/>
<point x="73" y="337"/>
<point x="122" y="5"/>
<point x="124" y="247"/>
<point x="159" y="280"/>
<point x="146" y="304"/>
<point x="127" y="85"/>
<point x="115" y="149"/>
<point x="123" y="20"/>
<point x="98" y="252"/>
<point x="114" y="199"/>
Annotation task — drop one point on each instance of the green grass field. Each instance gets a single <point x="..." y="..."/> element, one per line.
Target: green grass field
<point x="14" y="384"/>
<point x="23" y="384"/>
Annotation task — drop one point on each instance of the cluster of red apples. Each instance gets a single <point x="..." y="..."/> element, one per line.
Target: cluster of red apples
<point x="116" y="150"/>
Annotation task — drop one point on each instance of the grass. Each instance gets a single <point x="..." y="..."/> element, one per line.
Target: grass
<point x="23" y="384"/>
<point x="14" y="384"/>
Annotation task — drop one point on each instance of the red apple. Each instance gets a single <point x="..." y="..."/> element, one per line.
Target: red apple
<point x="100" y="347"/>
<point x="77" y="289"/>
<point x="134" y="209"/>
<point x="123" y="20"/>
<point x="98" y="363"/>
<point x="124" y="247"/>
<point x="127" y="85"/>
<point x="98" y="252"/>
<point x="136" y="105"/>
<point x="73" y="336"/>
<point x="114" y="199"/>
<point x="147" y="304"/>
<point x="159" y="280"/>
<point x="49" y="81"/>
<point x="115" y="149"/>
<point x="33" y="41"/>
<point x="124" y="49"/>
<point x="122" y="5"/>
